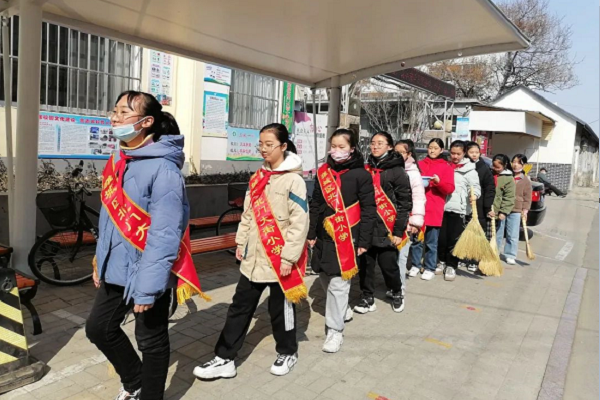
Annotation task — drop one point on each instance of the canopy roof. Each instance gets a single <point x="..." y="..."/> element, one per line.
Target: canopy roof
<point x="308" y="42"/>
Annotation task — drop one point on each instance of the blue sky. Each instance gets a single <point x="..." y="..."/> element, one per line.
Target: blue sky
<point x="582" y="100"/>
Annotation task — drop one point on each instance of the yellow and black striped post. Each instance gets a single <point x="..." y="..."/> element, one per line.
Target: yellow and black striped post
<point x="17" y="368"/>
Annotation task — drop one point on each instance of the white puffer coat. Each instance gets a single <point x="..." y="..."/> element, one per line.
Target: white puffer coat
<point x="465" y="177"/>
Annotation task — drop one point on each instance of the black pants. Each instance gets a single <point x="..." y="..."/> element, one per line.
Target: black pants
<point x="240" y="313"/>
<point x="103" y="328"/>
<point x="553" y="189"/>
<point x="453" y="226"/>
<point x="387" y="257"/>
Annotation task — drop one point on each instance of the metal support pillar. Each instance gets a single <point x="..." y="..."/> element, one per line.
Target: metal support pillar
<point x="315" y="137"/>
<point x="7" y="66"/>
<point x="335" y="102"/>
<point x="28" y="108"/>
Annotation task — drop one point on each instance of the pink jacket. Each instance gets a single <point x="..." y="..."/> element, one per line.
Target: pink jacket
<point x="417" y="217"/>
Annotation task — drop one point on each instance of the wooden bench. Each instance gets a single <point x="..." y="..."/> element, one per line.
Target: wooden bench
<point x="27" y="288"/>
<point x="209" y="222"/>
<point x="214" y="243"/>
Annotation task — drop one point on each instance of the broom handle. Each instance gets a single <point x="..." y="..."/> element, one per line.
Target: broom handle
<point x="524" y="219"/>
<point x="474" y="204"/>
<point x="493" y="226"/>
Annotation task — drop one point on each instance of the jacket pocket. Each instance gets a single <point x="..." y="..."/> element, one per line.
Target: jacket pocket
<point x="283" y="222"/>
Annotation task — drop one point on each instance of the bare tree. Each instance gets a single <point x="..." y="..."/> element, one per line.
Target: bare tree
<point x="546" y="65"/>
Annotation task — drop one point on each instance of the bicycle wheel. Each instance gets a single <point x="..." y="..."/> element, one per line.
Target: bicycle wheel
<point x="63" y="257"/>
<point x="229" y="221"/>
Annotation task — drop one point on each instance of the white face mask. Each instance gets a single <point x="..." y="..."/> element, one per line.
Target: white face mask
<point x="127" y="133"/>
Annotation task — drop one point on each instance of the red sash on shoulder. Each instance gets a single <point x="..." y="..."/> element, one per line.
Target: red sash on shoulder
<point x="272" y="239"/>
<point x="385" y="208"/>
<point x="339" y="225"/>
<point x="133" y="223"/>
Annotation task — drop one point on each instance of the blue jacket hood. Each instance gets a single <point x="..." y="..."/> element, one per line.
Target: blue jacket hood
<point x="169" y="147"/>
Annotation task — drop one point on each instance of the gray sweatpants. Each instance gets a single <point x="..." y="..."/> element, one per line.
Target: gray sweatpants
<point x="337" y="291"/>
<point x="402" y="261"/>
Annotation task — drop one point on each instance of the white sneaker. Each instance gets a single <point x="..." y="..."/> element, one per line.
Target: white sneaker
<point x="449" y="274"/>
<point x="427" y="275"/>
<point x="333" y="342"/>
<point x="124" y="395"/>
<point x="414" y="271"/>
<point x="439" y="269"/>
<point x="511" y="261"/>
<point x="462" y="264"/>
<point x="472" y="268"/>
<point x="349" y="315"/>
<point x="284" y="364"/>
<point x="216" y="368"/>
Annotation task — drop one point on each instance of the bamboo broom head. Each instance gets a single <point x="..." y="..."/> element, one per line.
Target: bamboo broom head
<point x="493" y="242"/>
<point x="491" y="267"/>
<point x="472" y="244"/>
<point x="529" y="250"/>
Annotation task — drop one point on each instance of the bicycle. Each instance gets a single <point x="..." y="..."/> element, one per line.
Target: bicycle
<point x="228" y="221"/>
<point x="63" y="256"/>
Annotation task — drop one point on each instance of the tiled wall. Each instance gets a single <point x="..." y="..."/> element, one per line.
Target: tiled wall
<point x="558" y="174"/>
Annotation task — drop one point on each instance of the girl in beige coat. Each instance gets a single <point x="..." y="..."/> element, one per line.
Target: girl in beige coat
<point x="271" y="245"/>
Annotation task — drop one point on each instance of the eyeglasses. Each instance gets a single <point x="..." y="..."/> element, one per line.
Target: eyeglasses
<point x="378" y="145"/>
<point x="120" y="116"/>
<point x="267" y="147"/>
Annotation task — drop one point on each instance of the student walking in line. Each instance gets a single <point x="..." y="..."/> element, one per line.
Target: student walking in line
<point x="509" y="228"/>
<point x="342" y="217"/>
<point x="416" y="221"/>
<point x="440" y="183"/>
<point x="394" y="202"/>
<point x="458" y="206"/>
<point x="140" y="258"/>
<point x="505" y="196"/>
<point x="488" y="191"/>
<point x="271" y="245"/>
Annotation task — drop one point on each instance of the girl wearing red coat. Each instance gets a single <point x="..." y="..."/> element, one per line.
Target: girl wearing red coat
<point x="438" y="176"/>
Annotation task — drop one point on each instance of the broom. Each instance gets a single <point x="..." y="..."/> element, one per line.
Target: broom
<point x="530" y="254"/>
<point x="492" y="266"/>
<point x="472" y="244"/>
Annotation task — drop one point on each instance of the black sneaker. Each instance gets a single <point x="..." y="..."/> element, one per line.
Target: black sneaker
<point x="365" y="305"/>
<point x="397" y="302"/>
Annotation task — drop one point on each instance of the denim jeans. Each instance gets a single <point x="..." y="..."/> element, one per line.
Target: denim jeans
<point x="431" y="244"/>
<point x="511" y="226"/>
<point x="403" y="260"/>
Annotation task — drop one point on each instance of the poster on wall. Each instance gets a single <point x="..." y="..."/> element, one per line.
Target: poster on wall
<point x="241" y="144"/>
<point x="303" y="138"/>
<point x="462" y="129"/>
<point x="482" y="138"/>
<point x="215" y="114"/>
<point x="161" y="68"/>
<point x="75" y="136"/>
<point x="216" y="74"/>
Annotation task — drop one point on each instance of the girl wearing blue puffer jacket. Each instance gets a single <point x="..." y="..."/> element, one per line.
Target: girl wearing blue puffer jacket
<point x="148" y="184"/>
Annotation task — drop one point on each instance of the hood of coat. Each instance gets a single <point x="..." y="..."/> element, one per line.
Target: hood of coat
<point x="410" y="165"/>
<point x="387" y="161"/>
<point x="356" y="161"/>
<point x="466" y="166"/>
<point x="169" y="147"/>
<point x="291" y="163"/>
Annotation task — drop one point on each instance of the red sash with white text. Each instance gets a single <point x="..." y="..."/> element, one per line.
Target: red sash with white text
<point x="272" y="239"/>
<point x="339" y="225"/>
<point x="133" y="224"/>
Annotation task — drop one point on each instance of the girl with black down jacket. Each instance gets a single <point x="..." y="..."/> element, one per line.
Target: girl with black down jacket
<point x="342" y="214"/>
<point x="393" y="197"/>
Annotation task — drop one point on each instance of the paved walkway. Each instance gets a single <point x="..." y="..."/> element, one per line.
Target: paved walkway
<point x="475" y="338"/>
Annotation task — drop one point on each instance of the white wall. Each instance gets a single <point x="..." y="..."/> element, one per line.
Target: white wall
<point x="511" y="144"/>
<point x="559" y="149"/>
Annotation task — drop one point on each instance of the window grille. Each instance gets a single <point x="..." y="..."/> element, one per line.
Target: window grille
<point x="254" y="100"/>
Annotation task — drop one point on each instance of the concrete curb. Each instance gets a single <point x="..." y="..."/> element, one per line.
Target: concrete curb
<point x="553" y="385"/>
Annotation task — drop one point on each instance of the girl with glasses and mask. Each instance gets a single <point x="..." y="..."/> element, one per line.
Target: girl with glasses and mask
<point x="141" y="256"/>
<point x="271" y="245"/>
<point x="393" y="199"/>
<point x="342" y="216"/>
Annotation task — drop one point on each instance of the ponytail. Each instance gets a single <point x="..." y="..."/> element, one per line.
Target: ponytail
<point x="148" y="106"/>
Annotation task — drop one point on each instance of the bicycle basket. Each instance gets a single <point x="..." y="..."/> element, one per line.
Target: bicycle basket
<point x="58" y="209"/>
<point x="236" y="192"/>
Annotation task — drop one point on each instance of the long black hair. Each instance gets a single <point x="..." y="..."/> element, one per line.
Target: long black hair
<point x="348" y="135"/>
<point x="460" y="144"/>
<point x="504" y="160"/>
<point x="409" y="145"/>
<point x="148" y="106"/>
<point x="521" y="157"/>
